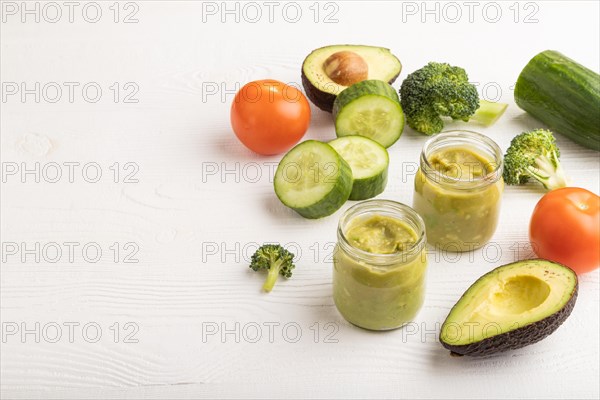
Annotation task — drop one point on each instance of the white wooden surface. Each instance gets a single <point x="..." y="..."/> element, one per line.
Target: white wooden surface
<point x="183" y="218"/>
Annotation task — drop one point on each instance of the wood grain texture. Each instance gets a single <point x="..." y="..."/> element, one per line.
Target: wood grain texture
<point x="197" y="211"/>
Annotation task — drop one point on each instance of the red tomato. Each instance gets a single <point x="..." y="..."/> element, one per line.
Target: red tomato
<point x="565" y="227"/>
<point x="269" y="117"/>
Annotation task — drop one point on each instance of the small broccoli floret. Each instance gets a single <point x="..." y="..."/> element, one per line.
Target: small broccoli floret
<point x="276" y="260"/>
<point x="441" y="90"/>
<point x="534" y="155"/>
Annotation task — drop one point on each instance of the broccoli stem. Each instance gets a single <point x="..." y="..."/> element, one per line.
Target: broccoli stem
<point x="549" y="172"/>
<point x="488" y="112"/>
<point x="273" y="274"/>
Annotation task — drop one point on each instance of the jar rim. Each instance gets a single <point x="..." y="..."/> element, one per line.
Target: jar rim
<point x="468" y="137"/>
<point x="389" y="208"/>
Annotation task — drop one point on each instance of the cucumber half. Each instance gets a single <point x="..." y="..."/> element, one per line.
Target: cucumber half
<point x="369" y="162"/>
<point x="369" y="108"/>
<point x="313" y="179"/>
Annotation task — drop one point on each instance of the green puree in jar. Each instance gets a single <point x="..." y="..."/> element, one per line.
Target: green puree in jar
<point x="460" y="163"/>
<point x="460" y="213"/>
<point x="375" y="295"/>
<point x="381" y="235"/>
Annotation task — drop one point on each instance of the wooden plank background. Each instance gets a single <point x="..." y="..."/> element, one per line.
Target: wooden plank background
<point x="198" y="325"/>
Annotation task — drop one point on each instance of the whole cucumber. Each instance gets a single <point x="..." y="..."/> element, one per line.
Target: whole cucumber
<point x="564" y="95"/>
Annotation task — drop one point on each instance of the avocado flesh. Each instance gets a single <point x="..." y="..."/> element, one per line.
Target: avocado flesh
<point x="322" y="90"/>
<point x="510" y="307"/>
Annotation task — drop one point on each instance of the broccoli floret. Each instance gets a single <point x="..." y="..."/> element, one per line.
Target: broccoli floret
<point x="275" y="259"/>
<point x="441" y="90"/>
<point x="534" y="155"/>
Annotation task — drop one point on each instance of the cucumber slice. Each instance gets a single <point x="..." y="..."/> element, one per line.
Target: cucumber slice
<point x="371" y="109"/>
<point x="313" y="180"/>
<point x="369" y="162"/>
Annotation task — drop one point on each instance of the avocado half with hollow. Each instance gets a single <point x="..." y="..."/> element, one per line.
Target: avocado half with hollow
<point x="329" y="70"/>
<point x="513" y="306"/>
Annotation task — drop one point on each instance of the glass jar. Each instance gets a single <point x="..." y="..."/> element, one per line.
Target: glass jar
<point x="458" y="189"/>
<point x="379" y="265"/>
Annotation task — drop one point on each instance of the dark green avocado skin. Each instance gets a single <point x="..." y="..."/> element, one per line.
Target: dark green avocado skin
<point x="321" y="99"/>
<point x="517" y="338"/>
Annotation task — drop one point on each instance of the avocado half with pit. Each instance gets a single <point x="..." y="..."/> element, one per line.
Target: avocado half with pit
<point x="329" y="70"/>
<point x="513" y="306"/>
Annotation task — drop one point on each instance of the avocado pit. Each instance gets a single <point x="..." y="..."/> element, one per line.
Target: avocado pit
<point x="346" y="68"/>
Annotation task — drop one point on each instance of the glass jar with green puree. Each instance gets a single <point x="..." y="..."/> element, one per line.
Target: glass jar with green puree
<point x="458" y="189"/>
<point x="379" y="265"/>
